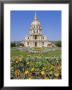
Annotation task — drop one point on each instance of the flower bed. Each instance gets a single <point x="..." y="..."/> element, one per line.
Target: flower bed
<point x="35" y="67"/>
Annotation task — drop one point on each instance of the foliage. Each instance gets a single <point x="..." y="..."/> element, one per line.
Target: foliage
<point x="58" y="43"/>
<point x="35" y="67"/>
<point x="13" y="44"/>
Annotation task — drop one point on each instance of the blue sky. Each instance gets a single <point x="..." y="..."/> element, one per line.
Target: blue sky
<point x="21" y="21"/>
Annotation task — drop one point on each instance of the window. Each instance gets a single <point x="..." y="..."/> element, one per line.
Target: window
<point x="35" y="36"/>
<point x="35" y="44"/>
<point x="42" y="43"/>
<point x="27" y="43"/>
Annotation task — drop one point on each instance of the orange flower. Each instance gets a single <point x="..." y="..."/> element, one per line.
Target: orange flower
<point x="17" y="73"/>
<point x="26" y="72"/>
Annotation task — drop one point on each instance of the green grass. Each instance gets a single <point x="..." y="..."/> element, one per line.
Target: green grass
<point x="15" y="52"/>
<point x="54" y="53"/>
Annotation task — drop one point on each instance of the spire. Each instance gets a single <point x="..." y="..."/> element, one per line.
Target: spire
<point x="35" y="17"/>
<point x="35" y="13"/>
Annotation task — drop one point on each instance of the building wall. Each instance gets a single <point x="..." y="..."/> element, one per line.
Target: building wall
<point x="39" y="44"/>
<point x="45" y="44"/>
<point x="30" y="42"/>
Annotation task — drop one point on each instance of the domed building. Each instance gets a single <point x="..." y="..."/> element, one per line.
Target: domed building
<point x="35" y="37"/>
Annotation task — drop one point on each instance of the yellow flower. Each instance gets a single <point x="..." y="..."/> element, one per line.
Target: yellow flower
<point x="17" y="73"/>
<point x="26" y="72"/>
<point x="27" y="62"/>
<point x="42" y="73"/>
<point x="17" y="61"/>
<point x="56" y="74"/>
<point x="33" y="69"/>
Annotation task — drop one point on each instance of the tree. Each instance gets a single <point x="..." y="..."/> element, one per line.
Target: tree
<point x="13" y="44"/>
<point x="21" y="44"/>
<point x="58" y="43"/>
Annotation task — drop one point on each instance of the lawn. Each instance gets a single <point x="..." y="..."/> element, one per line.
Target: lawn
<point x="15" y="52"/>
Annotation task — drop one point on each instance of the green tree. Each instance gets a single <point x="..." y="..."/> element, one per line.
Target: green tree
<point x="13" y="44"/>
<point x="58" y="43"/>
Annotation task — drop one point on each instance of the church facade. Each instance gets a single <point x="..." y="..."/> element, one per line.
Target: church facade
<point x="35" y="38"/>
